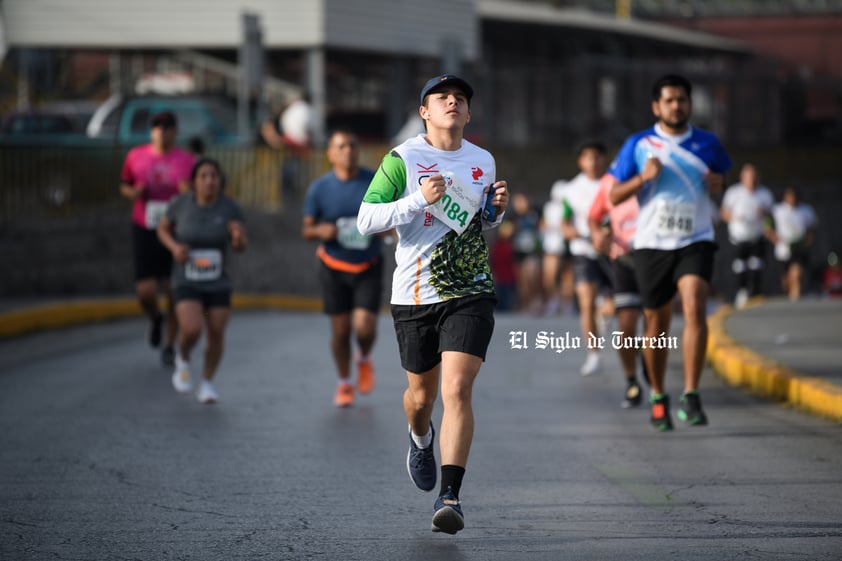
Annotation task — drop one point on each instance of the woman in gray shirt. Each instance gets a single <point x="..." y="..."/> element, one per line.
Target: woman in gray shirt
<point x="197" y="228"/>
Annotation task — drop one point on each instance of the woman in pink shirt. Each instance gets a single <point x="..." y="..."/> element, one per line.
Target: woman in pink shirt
<point x="153" y="174"/>
<point x="616" y="242"/>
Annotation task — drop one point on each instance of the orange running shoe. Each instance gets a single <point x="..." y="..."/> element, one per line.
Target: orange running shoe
<point x="344" y="395"/>
<point x="365" y="376"/>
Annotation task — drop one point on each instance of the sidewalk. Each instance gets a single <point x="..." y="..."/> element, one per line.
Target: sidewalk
<point x="786" y="351"/>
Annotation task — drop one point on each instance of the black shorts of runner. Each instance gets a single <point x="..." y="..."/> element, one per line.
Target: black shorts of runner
<point x="595" y="270"/>
<point x="626" y="291"/>
<point x="343" y="292"/>
<point x="658" y="270"/>
<point x="151" y="259"/>
<point x="751" y="254"/>
<point x="208" y="299"/>
<point x="799" y="254"/>
<point x="462" y="325"/>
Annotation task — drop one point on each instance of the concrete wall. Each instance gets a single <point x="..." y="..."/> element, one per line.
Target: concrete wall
<point x="90" y="253"/>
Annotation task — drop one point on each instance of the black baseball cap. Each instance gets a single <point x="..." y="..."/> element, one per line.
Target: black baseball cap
<point x="164" y="119"/>
<point x="446" y="80"/>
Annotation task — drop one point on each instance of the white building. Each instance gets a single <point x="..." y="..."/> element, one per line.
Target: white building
<point x="364" y="60"/>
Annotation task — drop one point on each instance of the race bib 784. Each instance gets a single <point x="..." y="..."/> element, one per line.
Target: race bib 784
<point x="458" y="205"/>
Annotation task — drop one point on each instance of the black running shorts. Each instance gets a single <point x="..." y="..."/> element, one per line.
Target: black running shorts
<point x="593" y="270"/>
<point x="626" y="291"/>
<point x="462" y="325"/>
<point x="208" y="299"/>
<point x="343" y="292"/>
<point x="750" y="254"/>
<point x="151" y="259"/>
<point x="658" y="270"/>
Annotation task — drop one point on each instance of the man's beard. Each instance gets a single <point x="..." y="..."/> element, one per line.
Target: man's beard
<point x="677" y="123"/>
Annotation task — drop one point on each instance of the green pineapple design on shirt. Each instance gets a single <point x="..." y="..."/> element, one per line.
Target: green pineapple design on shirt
<point x="459" y="264"/>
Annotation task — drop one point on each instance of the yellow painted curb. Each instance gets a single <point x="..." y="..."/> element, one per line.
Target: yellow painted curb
<point x="278" y="301"/>
<point x="52" y="316"/>
<point x="818" y="396"/>
<point x="741" y="367"/>
<point x="63" y="314"/>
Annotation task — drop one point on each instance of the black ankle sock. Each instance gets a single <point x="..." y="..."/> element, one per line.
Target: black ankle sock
<point x="451" y="476"/>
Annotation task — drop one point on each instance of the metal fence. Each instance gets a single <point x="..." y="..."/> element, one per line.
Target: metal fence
<point x="40" y="182"/>
<point x="63" y="226"/>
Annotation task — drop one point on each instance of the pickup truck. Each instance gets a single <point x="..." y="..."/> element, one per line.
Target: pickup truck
<point x="56" y="166"/>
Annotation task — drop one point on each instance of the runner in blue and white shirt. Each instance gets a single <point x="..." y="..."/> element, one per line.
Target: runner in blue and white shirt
<point x="670" y="167"/>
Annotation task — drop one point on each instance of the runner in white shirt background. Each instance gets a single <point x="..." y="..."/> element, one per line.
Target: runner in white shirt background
<point x="795" y="223"/>
<point x="747" y="207"/>
<point x="556" y="268"/>
<point x="592" y="270"/>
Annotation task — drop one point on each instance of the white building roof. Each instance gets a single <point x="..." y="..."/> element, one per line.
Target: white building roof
<point x="545" y="14"/>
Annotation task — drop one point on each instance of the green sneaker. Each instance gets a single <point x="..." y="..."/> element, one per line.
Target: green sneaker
<point x="691" y="409"/>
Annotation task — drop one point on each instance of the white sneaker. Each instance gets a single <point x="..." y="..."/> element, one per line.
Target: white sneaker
<point x="741" y="299"/>
<point x="181" y="377"/>
<point x="591" y="364"/>
<point x="206" y="393"/>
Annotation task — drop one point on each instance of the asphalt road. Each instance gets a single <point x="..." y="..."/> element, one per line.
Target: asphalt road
<point x="101" y="460"/>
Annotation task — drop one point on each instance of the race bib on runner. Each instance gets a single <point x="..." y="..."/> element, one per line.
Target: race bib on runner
<point x="203" y="265"/>
<point x="674" y="219"/>
<point x="349" y="236"/>
<point x="154" y="211"/>
<point x="458" y="205"/>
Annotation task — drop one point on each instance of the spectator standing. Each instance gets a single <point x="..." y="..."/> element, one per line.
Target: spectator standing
<point x="504" y="267"/>
<point x="527" y="243"/>
<point x="293" y="131"/>
<point x="832" y="277"/>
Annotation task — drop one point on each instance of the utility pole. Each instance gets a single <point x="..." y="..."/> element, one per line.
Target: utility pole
<point x="250" y="85"/>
